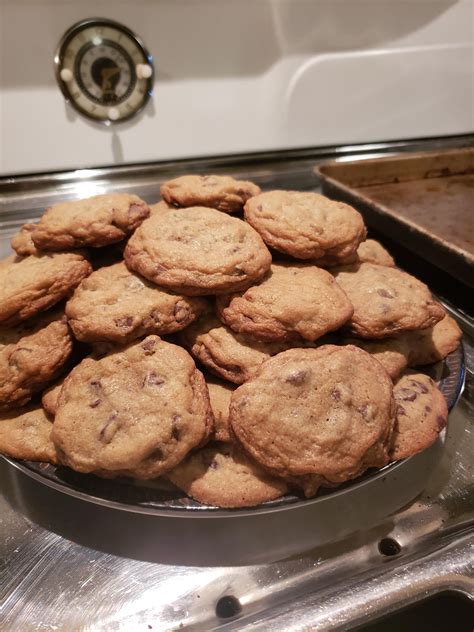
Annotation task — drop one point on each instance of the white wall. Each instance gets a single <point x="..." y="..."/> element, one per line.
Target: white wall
<point x="242" y="75"/>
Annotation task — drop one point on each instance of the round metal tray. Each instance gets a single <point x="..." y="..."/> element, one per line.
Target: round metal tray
<point x="158" y="497"/>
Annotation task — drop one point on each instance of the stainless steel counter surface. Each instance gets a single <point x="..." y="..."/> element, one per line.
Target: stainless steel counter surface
<point x="66" y="564"/>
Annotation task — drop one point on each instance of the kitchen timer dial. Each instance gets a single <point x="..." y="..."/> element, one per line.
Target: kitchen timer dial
<point x="104" y="70"/>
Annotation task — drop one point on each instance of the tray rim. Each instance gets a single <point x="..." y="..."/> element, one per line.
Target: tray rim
<point x="206" y="511"/>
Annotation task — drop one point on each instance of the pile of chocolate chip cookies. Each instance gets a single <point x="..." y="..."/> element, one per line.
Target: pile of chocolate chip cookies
<point x="304" y="330"/>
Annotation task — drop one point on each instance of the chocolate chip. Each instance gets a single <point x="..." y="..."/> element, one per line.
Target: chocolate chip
<point x="149" y="346"/>
<point x="95" y="403"/>
<point x="423" y="388"/>
<point x="336" y="395"/>
<point x="152" y="379"/>
<point x="125" y="323"/>
<point x="213" y="464"/>
<point x="156" y="455"/>
<point x="174" y="426"/>
<point x="96" y="384"/>
<point x="400" y="410"/>
<point x="109" y="429"/>
<point x="427" y="409"/>
<point x="298" y="377"/>
<point x="441" y="421"/>
<point x="384" y="293"/>
<point x="260" y="208"/>
<point x="407" y="395"/>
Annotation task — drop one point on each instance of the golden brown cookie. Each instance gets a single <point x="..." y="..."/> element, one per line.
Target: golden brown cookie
<point x="327" y="412"/>
<point x="433" y="344"/>
<point x="220" y="394"/>
<point x="292" y="302"/>
<point x="22" y="243"/>
<point x="371" y="251"/>
<point x="96" y="221"/>
<point x="32" y="355"/>
<point x="50" y="397"/>
<point x="160" y="206"/>
<point x="220" y="192"/>
<point x="392" y="353"/>
<point x="117" y="305"/>
<point x="387" y="301"/>
<point x="26" y="434"/>
<point x="306" y="225"/>
<point x="223" y="475"/>
<point x="421" y="415"/>
<point x="138" y="411"/>
<point x="197" y="251"/>
<point x="35" y="283"/>
<point x="230" y="355"/>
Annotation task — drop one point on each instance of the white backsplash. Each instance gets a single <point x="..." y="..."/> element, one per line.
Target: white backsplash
<point x="242" y="75"/>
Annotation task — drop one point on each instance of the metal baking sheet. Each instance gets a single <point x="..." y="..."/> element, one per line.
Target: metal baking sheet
<point x="424" y="200"/>
<point x="160" y="498"/>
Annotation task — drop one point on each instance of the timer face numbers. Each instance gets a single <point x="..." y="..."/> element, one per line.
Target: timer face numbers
<point x="104" y="71"/>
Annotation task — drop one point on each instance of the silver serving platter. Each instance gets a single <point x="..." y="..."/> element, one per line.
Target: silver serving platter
<point x="158" y="497"/>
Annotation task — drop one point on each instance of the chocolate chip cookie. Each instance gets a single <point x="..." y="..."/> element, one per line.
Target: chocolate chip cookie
<point x="138" y="411"/>
<point x="219" y="394"/>
<point x="197" y="251"/>
<point x="386" y="301"/>
<point x="117" y="305"/>
<point x="220" y="192"/>
<point x="327" y="412"/>
<point x="224" y="476"/>
<point x="96" y="221"/>
<point x="230" y="355"/>
<point x="293" y="301"/>
<point x="22" y="243"/>
<point x="392" y="353"/>
<point x="32" y="355"/>
<point x="421" y="415"/>
<point x="371" y="251"/>
<point x="35" y="283"/>
<point x="432" y="344"/>
<point x="306" y="225"/>
<point x="26" y="434"/>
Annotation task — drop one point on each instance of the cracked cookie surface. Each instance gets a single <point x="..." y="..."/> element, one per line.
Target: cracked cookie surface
<point x="292" y="301"/>
<point x="136" y="412"/>
<point x="306" y="225"/>
<point x="223" y="193"/>
<point x="387" y="301"/>
<point x="32" y="355"/>
<point x="197" y="251"/>
<point x="96" y="221"/>
<point x="327" y="412"/>
<point x="117" y="305"/>
<point x="35" y="283"/>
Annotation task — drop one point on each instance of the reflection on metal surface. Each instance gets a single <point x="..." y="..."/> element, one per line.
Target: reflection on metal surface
<point x="68" y="565"/>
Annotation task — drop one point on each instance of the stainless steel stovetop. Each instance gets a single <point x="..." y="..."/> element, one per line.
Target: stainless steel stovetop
<point x="69" y="565"/>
